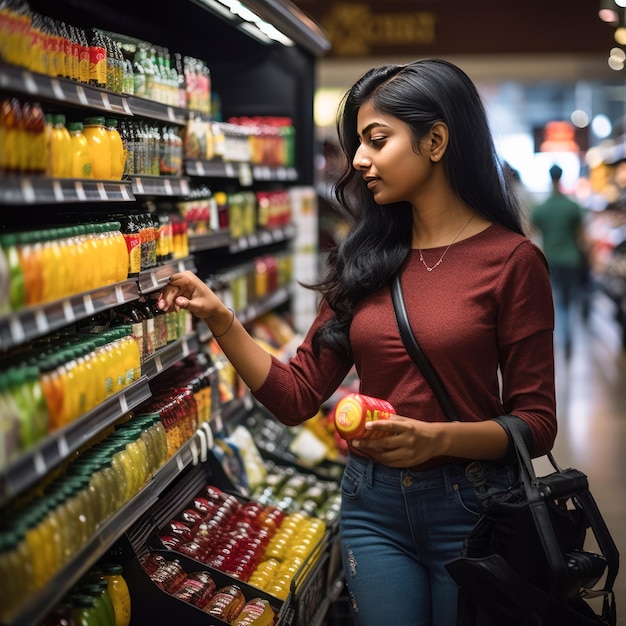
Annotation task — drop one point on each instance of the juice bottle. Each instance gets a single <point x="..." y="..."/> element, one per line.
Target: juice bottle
<point x="99" y="145"/>
<point x="226" y="603"/>
<point x="256" y="612"/>
<point x="84" y="612"/>
<point x="17" y="297"/>
<point x="119" y="593"/>
<point x="354" y="410"/>
<point x="118" y="153"/>
<point x="60" y="151"/>
<point x="121" y="252"/>
<point x="81" y="153"/>
<point x="131" y="231"/>
<point x="9" y="424"/>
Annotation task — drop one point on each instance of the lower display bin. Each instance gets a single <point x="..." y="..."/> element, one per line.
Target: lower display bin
<point x="151" y="604"/>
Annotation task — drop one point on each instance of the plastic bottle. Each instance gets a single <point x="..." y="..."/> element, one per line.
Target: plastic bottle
<point x="118" y="154"/>
<point x="9" y="424"/>
<point x="119" y="593"/>
<point x="226" y="603"/>
<point x="256" y="612"/>
<point x="84" y="612"/>
<point x="354" y="410"/>
<point x="100" y="147"/>
<point x="81" y="153"/>
<point x="97" y="60"/>
<point x="60" y="149"/>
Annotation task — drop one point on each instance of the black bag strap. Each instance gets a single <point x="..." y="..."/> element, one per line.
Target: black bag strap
<point x="416" y="352"/>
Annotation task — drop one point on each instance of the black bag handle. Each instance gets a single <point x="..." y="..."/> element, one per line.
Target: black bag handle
<point x="535" y="491"/>
<point x="416" y="352"/>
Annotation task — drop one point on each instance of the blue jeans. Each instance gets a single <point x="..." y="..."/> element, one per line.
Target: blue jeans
<point x="566" y="293"/>
<point x="398" y="529"/>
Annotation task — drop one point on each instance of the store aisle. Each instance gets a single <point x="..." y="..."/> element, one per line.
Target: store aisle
<point x="591" y="403"/>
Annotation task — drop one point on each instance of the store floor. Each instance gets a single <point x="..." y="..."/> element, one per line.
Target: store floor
<point x="591" y="404"/>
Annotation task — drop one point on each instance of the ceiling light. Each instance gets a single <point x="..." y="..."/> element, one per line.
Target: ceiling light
<point x="608" y="11"/>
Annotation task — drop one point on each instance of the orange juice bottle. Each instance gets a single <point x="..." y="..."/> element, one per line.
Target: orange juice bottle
<point x="118" y="153"/>
<point x="121" y="251"/>
<point x="100" y="147"/>
<point x="60" y="151"/>
<point x="52" y="265"/>
<point x="52" y="388"/>
<point x="30" y="262"/>
<point x="81" y="153"/>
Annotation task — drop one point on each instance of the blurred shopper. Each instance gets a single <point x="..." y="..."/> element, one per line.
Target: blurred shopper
<point x="559" y="221"/>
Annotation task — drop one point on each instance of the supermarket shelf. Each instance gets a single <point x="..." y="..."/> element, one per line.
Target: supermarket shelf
<point x="155" y="110"/>
<point x="41" y="602"/>
<point x="167" y="356"/>
<point x="29" y="190"/>
<point x="47" y="88"/>
<point x="245" y="172"/>
<point x="154" y="278"/>
<point x="263" y="237"/>
<point x="209" y="241"/>
<point x="40" y="320"/>
<point x="34" y="464"/>
<point x="159" y="186"/>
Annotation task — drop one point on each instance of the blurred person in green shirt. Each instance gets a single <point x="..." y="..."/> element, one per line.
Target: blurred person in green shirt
<point x="559" y="221"/>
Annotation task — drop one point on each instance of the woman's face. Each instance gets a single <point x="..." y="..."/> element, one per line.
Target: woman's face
<point x="386" y="158"/>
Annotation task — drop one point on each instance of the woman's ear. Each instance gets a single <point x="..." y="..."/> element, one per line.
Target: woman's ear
<point x="438" y="141"/>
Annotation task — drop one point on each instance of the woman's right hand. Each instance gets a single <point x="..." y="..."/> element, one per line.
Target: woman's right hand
<point x="186" y="291"/>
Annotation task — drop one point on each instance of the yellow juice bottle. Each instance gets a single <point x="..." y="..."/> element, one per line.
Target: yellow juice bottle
<point x="120" y="595"/>
<point x="121" y="251"/>
<point x="60" y="151"/>
<point x="118" y="152"/>
<point x="100" y="147"/>
<point x="80" y="151"/>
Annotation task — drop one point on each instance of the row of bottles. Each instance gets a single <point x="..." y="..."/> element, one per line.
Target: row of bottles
<point x="41" y="534"/>
<point x="53" y="387"/>
<point x="39" y="266"/>
<point x="54" y="48"/>
<point x="100" y="598"/>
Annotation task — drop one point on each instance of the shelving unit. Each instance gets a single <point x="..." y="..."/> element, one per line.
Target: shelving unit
<point x="253" y="78"/>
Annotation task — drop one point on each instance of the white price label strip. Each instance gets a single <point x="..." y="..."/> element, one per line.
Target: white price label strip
<point x="17" y="330"/>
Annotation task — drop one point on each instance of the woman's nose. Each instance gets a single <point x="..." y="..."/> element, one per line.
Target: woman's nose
<point x="360" y="160"/>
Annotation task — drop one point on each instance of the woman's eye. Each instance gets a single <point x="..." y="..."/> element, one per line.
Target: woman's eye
<point x="377" y="141"/>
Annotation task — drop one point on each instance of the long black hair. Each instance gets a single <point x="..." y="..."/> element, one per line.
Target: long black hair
<point x="420" y="94"/>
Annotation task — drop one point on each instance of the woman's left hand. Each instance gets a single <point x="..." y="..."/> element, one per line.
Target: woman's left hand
<point x="408" y="442"/>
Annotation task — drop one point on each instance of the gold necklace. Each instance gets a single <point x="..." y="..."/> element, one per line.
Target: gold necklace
<point x="430" y="268"/>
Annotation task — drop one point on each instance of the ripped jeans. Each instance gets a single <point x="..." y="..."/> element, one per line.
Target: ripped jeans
<point x="398" y="529"/>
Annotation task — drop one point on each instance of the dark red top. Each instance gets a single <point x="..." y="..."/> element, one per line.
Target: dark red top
<point x="485" y="310"/>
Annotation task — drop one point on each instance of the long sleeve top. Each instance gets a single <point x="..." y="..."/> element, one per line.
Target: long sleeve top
<point x="484" y="318"/>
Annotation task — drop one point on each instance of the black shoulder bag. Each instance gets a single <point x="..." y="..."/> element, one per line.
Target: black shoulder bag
<point x="525" y="561"/>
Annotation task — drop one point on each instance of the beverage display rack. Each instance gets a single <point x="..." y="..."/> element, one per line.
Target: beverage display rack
<point x="252" y="78"/>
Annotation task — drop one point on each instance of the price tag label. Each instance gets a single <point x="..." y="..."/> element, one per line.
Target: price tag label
<point x="193" y="446"/>
<point x="88" y="302"/>
<point x="126" y="106"/>
<point x="39" y="464"/>
<point x="41" y="321"/>
<point x="106" y="103"/>
<point x="167" y="186"/>
<point x="28" y="192"/>
<point x="124" y="192"/>
<point x="185" y="348"/>
<point x="17" y="329"/>
<point x="230" y="170"/>
<point x="180" y="463"/>
<point x="245" y="174"/>
<point x="29" y="82"/>
<point x="200" y="168"/>
<point x="82" y="96"/>
<point x="57" y="190"/>
<point x="102" y="192"/>
<point x="57" y="90"/>
<point x="80" y="191"/>
<point x="158" y="364"/>
<point x="124" y="403"/>
<point x="119" y="294"/>
<point x="138" y="185"/>
<point x="171" y="116"/>
<point x="68" y="311"/>
<point x="63" y="448"/>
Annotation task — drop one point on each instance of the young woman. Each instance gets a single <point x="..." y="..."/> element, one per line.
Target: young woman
<point x="429" y="203"/>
